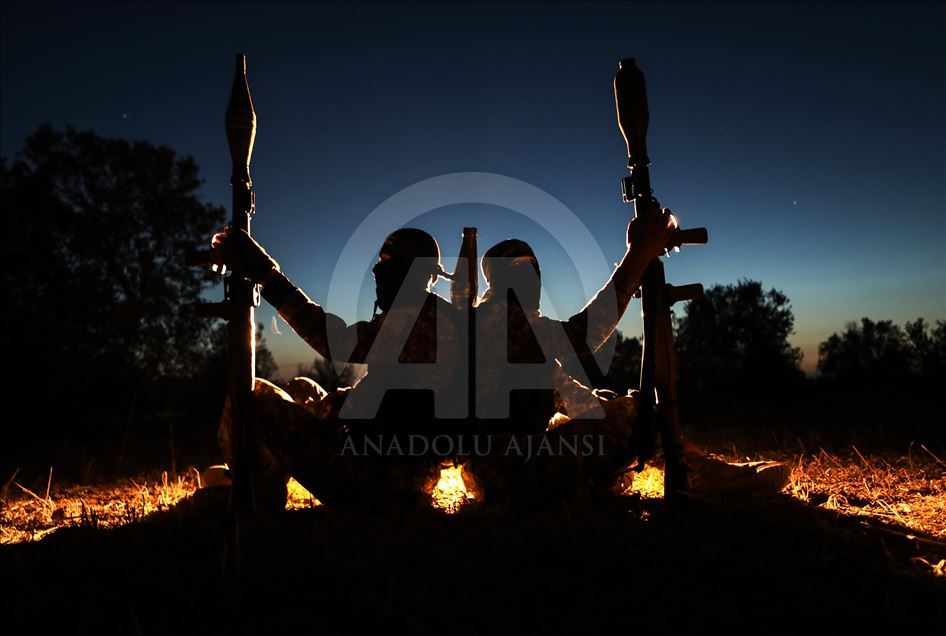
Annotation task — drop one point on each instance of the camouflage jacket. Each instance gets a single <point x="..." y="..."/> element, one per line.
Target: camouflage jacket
<point x="406" y="347"/>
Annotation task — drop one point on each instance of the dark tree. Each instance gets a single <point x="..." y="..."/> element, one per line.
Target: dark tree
<point x="208" y="389"/>
<point x="216" y="355"/>
<point x="615" y="366"/>
<point x="625" y="370"/>
<point x="929" y="345"/>
<point x="881" y="353"/>
<point x="735" y="339"/>
<point x="95" y="280"/>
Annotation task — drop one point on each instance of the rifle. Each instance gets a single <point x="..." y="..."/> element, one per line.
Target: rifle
<point x="658" y="384"/>
<point x="241" y="296"/>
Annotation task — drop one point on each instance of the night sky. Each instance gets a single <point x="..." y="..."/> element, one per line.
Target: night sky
<point x="810" y="139"/>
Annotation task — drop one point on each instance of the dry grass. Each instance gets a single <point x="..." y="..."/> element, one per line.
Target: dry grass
<point x="28" y="516"/>
<point x="783" y="561"/>
<point x="909" y="491"/>
<point x="903" y="492"/>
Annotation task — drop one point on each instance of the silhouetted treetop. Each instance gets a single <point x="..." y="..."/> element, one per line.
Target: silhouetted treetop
<point x="98" y="229"/>
<point x="625" y="370"/>
<point x="95" y="235"/>
<point x="874" y="353"/>
<point x="737" y="335"/>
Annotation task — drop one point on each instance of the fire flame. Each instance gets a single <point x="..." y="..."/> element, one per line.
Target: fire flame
<point x="450" y="494"/>
<point x="298" y="497"/>
<point x="649" y="483"/>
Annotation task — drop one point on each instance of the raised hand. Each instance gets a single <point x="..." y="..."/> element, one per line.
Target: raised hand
<point x="650" y="235"/>
<point x="238" y="251"/>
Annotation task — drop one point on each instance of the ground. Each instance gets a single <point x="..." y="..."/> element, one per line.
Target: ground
<point x="855" y="540"/>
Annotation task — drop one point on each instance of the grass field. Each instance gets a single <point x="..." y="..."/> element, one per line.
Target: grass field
<point x="855" y="539"/>
<point x="906" y="490"/>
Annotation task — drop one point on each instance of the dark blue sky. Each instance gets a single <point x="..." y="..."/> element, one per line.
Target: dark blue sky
<point x="809" y="138"/>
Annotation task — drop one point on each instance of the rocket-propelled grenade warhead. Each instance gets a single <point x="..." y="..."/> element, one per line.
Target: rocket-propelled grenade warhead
<point x="241" y="121"/>
<point x="630" y="97"/>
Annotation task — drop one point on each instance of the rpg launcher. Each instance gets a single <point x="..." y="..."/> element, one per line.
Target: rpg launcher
<point x="241" y="297"/>
<point x="658" y="383"/>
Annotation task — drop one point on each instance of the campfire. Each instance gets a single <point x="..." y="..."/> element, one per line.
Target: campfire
<point x="450" y="494"/>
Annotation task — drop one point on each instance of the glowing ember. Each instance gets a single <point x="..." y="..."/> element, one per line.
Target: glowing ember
<point x="450" y="494"/>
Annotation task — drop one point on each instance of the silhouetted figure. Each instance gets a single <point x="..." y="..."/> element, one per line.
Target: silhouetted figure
<point x="589" y="436"/>
<point x="541" y="400"/>
<point x="410" y="345"/>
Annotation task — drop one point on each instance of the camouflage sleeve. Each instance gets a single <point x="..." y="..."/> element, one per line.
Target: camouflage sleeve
<point x="326" y="333"/>
<point x="593" y="325"/>
<point x="574" y="398"/>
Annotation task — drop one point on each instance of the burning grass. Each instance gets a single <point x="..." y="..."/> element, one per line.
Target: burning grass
<point x="450" y="494"/>
<point x="27" y="516"/>
<point x="902" y="493"/>
<point x="298" y="497"/>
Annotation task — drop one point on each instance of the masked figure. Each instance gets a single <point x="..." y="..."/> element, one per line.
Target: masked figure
<point x="319" y="437"/>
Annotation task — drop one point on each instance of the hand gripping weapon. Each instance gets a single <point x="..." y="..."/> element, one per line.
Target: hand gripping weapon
<point x="659" y="365"/>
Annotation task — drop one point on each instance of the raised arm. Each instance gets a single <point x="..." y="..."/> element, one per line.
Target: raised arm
<point x="647" y="238"/>
<point x="320" y="329"/>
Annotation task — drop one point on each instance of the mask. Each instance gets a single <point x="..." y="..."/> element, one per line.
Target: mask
<point x="388" y="277"/>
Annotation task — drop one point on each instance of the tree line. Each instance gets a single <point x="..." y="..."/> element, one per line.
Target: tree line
<point x="738" y="335"/>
